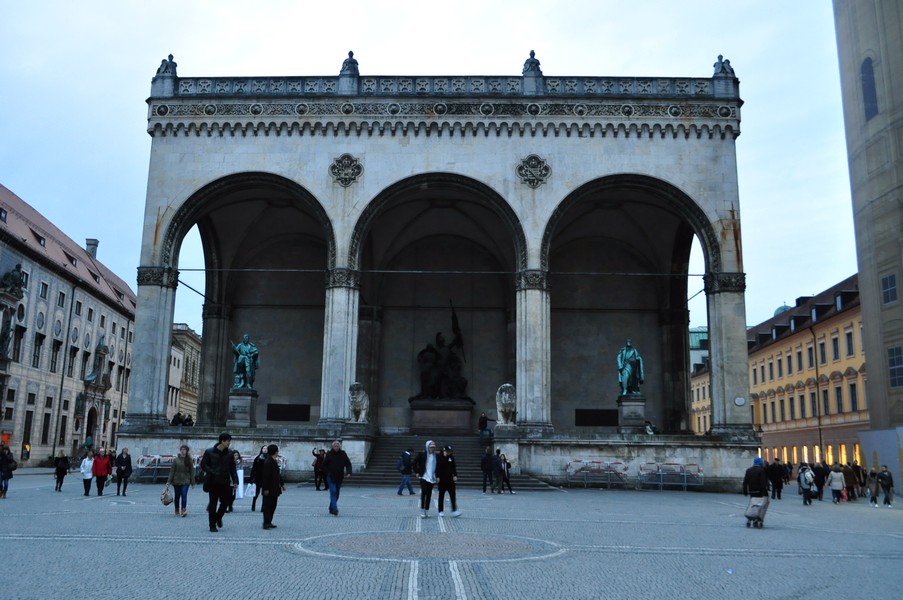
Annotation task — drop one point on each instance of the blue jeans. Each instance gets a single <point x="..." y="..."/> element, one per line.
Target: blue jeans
<point x="334" y="489"/>
<point x="180" y="496"/>
<point x="405" y="482"/>
<point x="4" y="484"/>
<point x="487" y="430"/>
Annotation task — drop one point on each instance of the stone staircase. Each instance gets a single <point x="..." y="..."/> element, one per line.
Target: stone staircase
<point x="381" y="466"/>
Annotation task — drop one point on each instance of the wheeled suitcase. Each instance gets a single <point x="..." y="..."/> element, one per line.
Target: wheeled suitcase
<point x="755" y="512"/>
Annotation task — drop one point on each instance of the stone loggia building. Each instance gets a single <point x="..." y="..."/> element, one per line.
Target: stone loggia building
<point x="342" y="216"/>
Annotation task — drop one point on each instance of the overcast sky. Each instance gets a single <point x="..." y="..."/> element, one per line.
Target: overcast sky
<point x="75" y="77"/>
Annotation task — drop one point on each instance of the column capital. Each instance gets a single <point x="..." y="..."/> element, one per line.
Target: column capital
<point x="343" y="277"/>
<point x="532" y="279"/>
<point x="158" y="276"/>
<point x="212" y="310"/>
<point x="715" y="283"/>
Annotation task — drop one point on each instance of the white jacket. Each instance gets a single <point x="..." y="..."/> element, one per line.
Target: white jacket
<point x="85" y="468"/>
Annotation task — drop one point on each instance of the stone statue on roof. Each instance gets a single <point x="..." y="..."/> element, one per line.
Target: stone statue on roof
<point x="13" y="281"/>
<point x="531" y="66"/>
<point x="723" y="67"/>
<point x="167" y="67"/>
<point x="349" y="65"/>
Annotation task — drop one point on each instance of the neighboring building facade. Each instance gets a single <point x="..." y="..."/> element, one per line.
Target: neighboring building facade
<point x="190" y="343"/>
<point x="173" y="395"/>
<point x="870" y="51"/>
<point x="807" y="370"/>
<point x="700" y="399"/>
<point x="70" y="338"/>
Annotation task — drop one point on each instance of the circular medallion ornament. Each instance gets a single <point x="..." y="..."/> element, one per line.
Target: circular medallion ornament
<point x="675" y="111"/>
<point x="121" y="354"/>
<point x="627" y="110"/>
<point x="87" y="340"/>
<point x="580" y="110"/>
<point x="57" y="327"/>
<point x="347" y="108"/>
<point x="440" y="109"/>
<point x="20" y="312"/>
<point x="75" y="334"/>
<point x="302" y="109"/>
<point x="739" y="401"/>
<point x="162" y="110"/>
<point x="40" y="320"/>
<point x="256" y="109"/>
<point x="210" y="110"/>
<point x="128" y="359"/>
<point x="393" y="109"/>
<point x="486" y="109"/>
<point x="533" y="109"/>
<point x="724" y="111"/>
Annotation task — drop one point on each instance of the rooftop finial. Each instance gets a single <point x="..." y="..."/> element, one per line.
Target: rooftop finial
<point x="531" y="66"/>
<point x="349" y="65"/>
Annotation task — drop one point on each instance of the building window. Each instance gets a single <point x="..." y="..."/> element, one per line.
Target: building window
<point x="822" y="354"/>
<point x="55" y="355"/>
<point x="17" y="343"/>
<point x="792" y="406"/>
<point x="770" y="371"/>
<point x="48" y="402"/>
<point x="36" y="351"/>
<point x="103" y="321"/>
<point x="869" y="91"/>
<point x="42" y="292"/>
<point x="799" y="361"/>
<point x="45" y="429"/>
<point x="8" y="414"/>
<point x="811" y="356"/>
<point x="755" y="376"/>
<point x="854" y="397"/>
<point x="27" y="426"/>
<point x="10" y="396"/>
<point x="61" y="299"/>
<point x="789" y="364"/>
<point x="813" y="404"/>
<point x="826" y="406"/>
<point x="780" y="367"/>
<point x="835" y="348"/>
<point x="851" y="350"/>
<point x="122" y="333"/>
<point x="86" y="356"/>
<point x="63" y="422"/>
<point x="762" y="373"/>
<point x="802" y="407"/>
<point x="78" y="307"/>
<point x="894" y="364"/>
<point x="31" y="399"/>
<point x="73" y="352"/>
<point x="838" y="398"/>
<point x="889" y="288"/>
<point x="773" y="419"/>
<point x="3" y="215"/>
<point x="783" y="415"/>
<point x="90" y="315"/>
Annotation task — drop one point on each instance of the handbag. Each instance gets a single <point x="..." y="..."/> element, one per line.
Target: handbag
<point x="166" y="497"/>
<point x="250" y="489"/>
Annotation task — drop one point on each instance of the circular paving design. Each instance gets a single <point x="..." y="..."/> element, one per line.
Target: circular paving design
<point x="404" y="546"/>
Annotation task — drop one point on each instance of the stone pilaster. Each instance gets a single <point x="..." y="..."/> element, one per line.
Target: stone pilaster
<point x="215" y="376"/>
<point x="339" y="344"/>
<point x="534" y="407"/>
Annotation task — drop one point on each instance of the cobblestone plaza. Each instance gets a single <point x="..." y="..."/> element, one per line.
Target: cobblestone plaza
<point x="573" y="543"/>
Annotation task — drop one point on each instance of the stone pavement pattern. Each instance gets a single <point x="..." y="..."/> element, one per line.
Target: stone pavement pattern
<point x="570" y="544"/>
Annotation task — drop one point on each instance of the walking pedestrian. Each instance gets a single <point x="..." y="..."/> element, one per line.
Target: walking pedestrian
<point x="272" y="485"/>
<point x="8" y="464"/>
<point x="820" y="470"/>
<point x="256" y="466"/>
<point x="87" y="471"/>
<point x="181" y="475"/>
<point x="446" y="476"/>
<point x="405" y="467"/>
<point x="317" y="464"/>
<point x="836" y="483"/>
<point x="483" y="426"/>
<point x="61" y="469"/>
<point x="886" y="481"/>
<point x="872" y="483"/>
<point x="236" y="490"/>
<point x="337" y="466"/>
<point x="220" y="478"/>
<point x="755" y="482"/>
<point x="102" y="469"/>
<point x="123" y="471"/>
<point x="497" y="476"/>
<point x="425" y="468"/>
<point x="806" y="480"/>
<point x="486" y="467"/>
<point x="506" y="473"/>
<point x="776" y="475"/>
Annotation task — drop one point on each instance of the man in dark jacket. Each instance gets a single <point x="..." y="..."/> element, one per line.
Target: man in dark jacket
<point x="271" y="484"/>
<point x="405" y="468"/>
<point x="755" y="483"/>
<point x="447" y="475"/>
<point x="8" y="464"/>
<point x="337" y="466"/>
<point x="776" y="474"/>
<point x="486" y="467"/>
<point x="220" y="477"/>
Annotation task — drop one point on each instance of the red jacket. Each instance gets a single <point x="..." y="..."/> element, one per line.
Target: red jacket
<point x="103" y="466"/>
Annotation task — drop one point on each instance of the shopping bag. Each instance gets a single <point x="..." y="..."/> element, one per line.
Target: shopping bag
<point x="166" y="497"/>
<point x="250" y="489"/>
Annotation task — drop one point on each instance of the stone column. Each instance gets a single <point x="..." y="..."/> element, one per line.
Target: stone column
<point x="729" y="373"/>
<point x="216" y="374"/>
<point x="339" y="344"/>
<point x="151" y="350"/>
<point x="534" y="407"/>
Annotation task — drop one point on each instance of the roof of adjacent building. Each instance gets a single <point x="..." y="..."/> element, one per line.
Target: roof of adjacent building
<point x="835" y="300"/>
<point x="29" y="231"/>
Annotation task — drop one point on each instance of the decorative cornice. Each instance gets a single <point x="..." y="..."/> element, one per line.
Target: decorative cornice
<point x="158" y="276"/>
<point x="342" y="277"/>
<point x="716" y="283"/>
<point x="532" y="279"/>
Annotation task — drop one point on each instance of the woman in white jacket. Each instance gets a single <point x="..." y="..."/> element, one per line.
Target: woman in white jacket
<point x="85" y="469"/>
<point x="835" y="482"/>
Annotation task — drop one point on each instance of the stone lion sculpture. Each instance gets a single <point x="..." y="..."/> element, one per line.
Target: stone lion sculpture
<point x="360" y="402"/>
<point x="506" y="403"/>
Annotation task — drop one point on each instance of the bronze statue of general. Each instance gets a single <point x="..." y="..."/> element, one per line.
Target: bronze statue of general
<point x="630" y="369"/>
<point x="247" y="361"/>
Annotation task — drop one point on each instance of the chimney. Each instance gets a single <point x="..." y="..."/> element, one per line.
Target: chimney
<point x="91" y="246"/>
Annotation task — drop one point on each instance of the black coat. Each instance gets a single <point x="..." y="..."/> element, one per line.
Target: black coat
<point x="336" y="464"/>
<point x="755" y="483"/>
<point x="219" y="467"/>
<point x="256" y="467"/>
<point x="446" y="470"/>
<point x="269" y="478"/>
<point x="123" y="464"/>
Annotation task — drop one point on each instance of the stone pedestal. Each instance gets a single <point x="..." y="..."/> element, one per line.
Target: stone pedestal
<point x="631" y="413"/>
<point x="242" y="408"/>
<point x="445" y="415"/>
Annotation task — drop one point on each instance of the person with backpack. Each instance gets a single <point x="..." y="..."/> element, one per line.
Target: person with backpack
<point x="806" y="480"/>
<point x="405" y="467"/>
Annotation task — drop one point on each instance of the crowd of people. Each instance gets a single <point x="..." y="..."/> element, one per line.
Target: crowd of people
<point x="846" y="482"/>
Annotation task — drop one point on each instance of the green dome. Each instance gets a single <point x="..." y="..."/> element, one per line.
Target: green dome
<point x="781" y="309"/>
